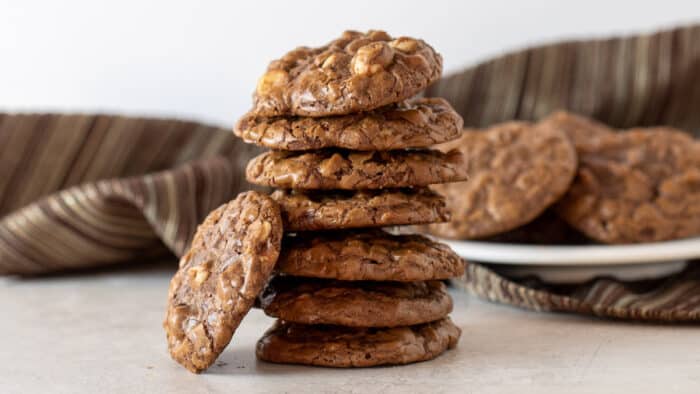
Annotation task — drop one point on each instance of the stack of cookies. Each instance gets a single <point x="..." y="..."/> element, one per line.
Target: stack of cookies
<point x="349" y="156"/>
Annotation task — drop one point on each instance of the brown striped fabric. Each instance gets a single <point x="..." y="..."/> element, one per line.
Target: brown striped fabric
<point x="81" y="191"/>
<point x="651" y="79"/>
<point x="672" y="299"/>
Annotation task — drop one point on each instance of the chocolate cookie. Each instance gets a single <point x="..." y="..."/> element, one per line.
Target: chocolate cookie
<point x="642" y="185"/>
<point x="368" y="255"/>
<point x="350" y="170"/>
<point x="312" y="210"/>
<point x="354" y="73"/>
<point x="336" y="346"/>
<point x="355" y="304"/>
<point x="516" y="170"/>
<point x="228" y="264"/>
<point x="415" y="124"/>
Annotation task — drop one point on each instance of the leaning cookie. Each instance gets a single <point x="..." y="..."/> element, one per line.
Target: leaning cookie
<point x="516" y="171"/>
<point x="229" y="263"/>
<point x="641" y="185"/>
<point x="355" y="304"/>
<point x="343" y="347"/>
<point x="351" y="170"/>
<point x="328" y="210"/>
<point x="368" y="255"/>
<point x="354" y="73"/>
<point x="417" y="123"/>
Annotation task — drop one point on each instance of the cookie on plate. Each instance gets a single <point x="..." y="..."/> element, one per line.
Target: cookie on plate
<point x="516" y="171"/>
<point x="354" y="73"/>
<point x="351" y="170"/>
<point x="219" y="278"/>
<point x="336" y="346"/>
<point x="418" y="123"/>
<point x="355" y="304"/>
<point x="640" y="185"/>
<point x="368" y="255"/>
<point x="327" y="210"/>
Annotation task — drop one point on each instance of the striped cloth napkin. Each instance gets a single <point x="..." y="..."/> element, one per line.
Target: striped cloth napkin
<point x="80" y="191"/>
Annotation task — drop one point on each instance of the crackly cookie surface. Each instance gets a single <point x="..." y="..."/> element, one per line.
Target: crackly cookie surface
<point x="354" y="303"/>
<point x="336" y="346"/>
<point x="351" y="170"/>
<point x="327" y="210"/>
<point x="639" y="185"/>
<point x="368" y="255"/>
<point x="417" y="123"/>
<point x="516" y="170"/>
<point x="354" y="73"/>
<point x="219" y="278"/>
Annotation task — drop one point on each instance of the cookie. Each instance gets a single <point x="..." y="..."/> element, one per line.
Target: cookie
<point x="336" y="346"/>
<point x="641" y="185"/>
<point x="350" y="170"/>
<point x="516" y="171"/>
<point x="368" y="255"/>
<point x="354" y="73"/>
<point x="314" y="210"/>
<point x="219" y="278"/>
<point x="417" y="123"/>
<point x="355" y="304"/>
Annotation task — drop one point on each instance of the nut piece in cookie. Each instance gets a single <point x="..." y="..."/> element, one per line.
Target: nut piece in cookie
<point x="355" y="304"/>
<point x="343" y="347"/>
<point x="639" y="185"/>
<point x="327" y="210"/>
<point x="416" y="123"/>
<point x="350" y="170"/>
<point x="516" y="171"/>
<point x="227" y="266"/>
<point x="354" y="73"/>
<point x="368" y="255"/>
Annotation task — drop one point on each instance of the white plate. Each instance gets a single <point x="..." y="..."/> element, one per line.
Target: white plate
<point x="560" y="255"/>
<point x="577" y="264"/>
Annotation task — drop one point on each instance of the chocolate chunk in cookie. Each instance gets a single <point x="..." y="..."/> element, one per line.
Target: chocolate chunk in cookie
<point x="355" y="304"/>
<point x="368" y="255"/>
<point x="415" y="124"/>
<point x="350" y="170"/>
<point x="516" y="171"/>
<point x="228" y="264"/>
<point x="641" y="185"/>
<point x="354" y="73"/>
<point x="336" y="346"/>
<point x="327" y="210"/>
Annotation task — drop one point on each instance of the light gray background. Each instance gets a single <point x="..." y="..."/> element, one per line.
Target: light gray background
<point x="201" y="59"/>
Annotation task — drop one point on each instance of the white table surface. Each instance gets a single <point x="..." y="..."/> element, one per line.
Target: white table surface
<point x="101" y="333"/>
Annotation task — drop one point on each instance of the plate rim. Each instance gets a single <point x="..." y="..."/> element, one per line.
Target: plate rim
<point x="577" y="255"/>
